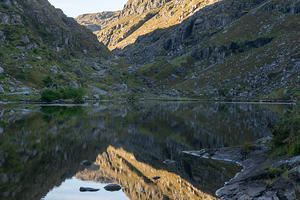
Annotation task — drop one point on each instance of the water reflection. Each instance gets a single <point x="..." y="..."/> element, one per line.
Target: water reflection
<point x="40" y="147"/>
<point x="69" y="190"/>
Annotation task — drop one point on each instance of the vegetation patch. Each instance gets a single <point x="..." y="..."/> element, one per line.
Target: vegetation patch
<point x="76" y="95"/>
<point x="286" y="133"/>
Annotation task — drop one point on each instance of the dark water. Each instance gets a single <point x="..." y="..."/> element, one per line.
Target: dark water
<point x="41" y="148"/>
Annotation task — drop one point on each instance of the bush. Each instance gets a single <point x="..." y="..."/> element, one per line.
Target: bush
<point x="286" y="133"/>
<point x="48" y="82"/>
<point x="50" y="95"/>
<point x="294" y="149"/>
<point x="64" y="93"/>
<point x="71" y="93"/>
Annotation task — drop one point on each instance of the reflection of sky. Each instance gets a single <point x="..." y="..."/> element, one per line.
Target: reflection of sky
<point x="69" y="190"/>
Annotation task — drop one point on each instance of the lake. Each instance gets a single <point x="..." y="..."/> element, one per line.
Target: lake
<point x="138" y="146"/>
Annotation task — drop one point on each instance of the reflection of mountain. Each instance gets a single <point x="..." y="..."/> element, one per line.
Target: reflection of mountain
<point x="39" y="148"/>
<point x="135" y="177"/>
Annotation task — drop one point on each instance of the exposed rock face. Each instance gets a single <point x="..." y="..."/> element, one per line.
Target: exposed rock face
<point x="140" y="17"/>
<point x="226" y="49"/>
<point x="35" y="36"/>
<point x="53" y="26"/>
<point x="97" y="21"/>
<point x="135" y="178"/>
<point x="141" y="6"/>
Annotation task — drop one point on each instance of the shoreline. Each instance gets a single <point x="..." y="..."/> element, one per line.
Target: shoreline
<point x="275" y="102"/>
<point x="262" y="176"/>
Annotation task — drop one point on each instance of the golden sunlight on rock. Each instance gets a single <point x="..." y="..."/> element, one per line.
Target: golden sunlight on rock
<point x="137" y="178"/>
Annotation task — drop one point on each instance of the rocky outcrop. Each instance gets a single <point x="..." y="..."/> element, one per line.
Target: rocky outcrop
<point x="140" y="17"/>
<point x="262" y="177"/>
<point x="98" y="21"/>
<point x="141" y="6"/>
<point x="40" y="42"/>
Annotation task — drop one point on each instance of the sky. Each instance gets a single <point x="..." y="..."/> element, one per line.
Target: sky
<point x="73" y="8"/>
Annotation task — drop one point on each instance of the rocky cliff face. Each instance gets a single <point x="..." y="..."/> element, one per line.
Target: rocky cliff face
<point x="226" y="49"/>
<point x="140" y="17"/>
<point x="38" y="41"/>
<point x="98" y="21"/>
<point x="50" y="25"/>
<point x="141" y="6"/>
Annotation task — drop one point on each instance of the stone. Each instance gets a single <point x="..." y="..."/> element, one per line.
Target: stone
<point x="98" y="90"/>
<point x="155" y="178"/>
<point x="1" y="70"/>
<point x="12" y="89"/>
<point x="4" y="178"/>
<point x="112" y="187"/>
<point x="27" y="66"/>
<point x="101" y="73"/>
<point x="54" y="69"/>
<point x="88" y="189"/>
<point x="39" y="58"/>
<point x="25" y="39"/>
<point x="96" y="66"/>
<point x="2" y="37"/>
<point x="96" y="96"/>
<point x="86" y="163"/>
<point x="2" y="90"/>
<point x="1" y="130"/>
<point x="73" y="84"/>
<point x="169" y="162"/>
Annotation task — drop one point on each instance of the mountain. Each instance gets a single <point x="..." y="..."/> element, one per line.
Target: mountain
<point x="97" y="21"/>
<point x="226" y="49"/>
<point x="38" y="43"/>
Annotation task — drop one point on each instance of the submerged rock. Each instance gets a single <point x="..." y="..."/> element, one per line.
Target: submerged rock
<point x="155" y="178"/>
<point x="87" y="189"/>
<point x="169" y="162"/>
<point x="112" y="187"/>
<point x="86" y="163"/>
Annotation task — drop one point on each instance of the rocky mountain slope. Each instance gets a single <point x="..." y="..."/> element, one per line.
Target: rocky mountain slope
<point x="38" y="43"/>
<point x="247" y="49"/>
<point x="97" y="21"/>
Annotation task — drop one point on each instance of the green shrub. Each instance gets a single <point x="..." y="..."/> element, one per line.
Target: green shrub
<point x="294" y="149"/>
<point x="71" y="93"/>
<point x="246" y="146"/>
<point x="48" y="82"/>
<point x="64" y="93"/>
<point x="274" y="172"/>
<point x="286" y="140"/>
<point x="50" y="95"/>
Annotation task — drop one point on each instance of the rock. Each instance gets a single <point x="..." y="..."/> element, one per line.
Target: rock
<point x="12" y="89"/>
<point x="112" y="187"/>
<point x="25" y="39"/>
<point x="97" y="90"/>
<point x="155" y="178"/>
<point x="27" y="66"/>
<point x="1" y="70"/>
<point x="86" y="163"/>
<point x="169" y="162"/>
<point x="39" y="58"/>
<point x="54" y="69"/>
<point x="4" y="178"/>
<point x="2" y="37"/>
<point x="1" y="130"/>
<point x="87" y="189"/>
<point x="96" y="66"/>
<point x="2" y="90"/>
<point x="96" y="96"/>
<point x="101" y="73"/>
<point x="73" y="84"/>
